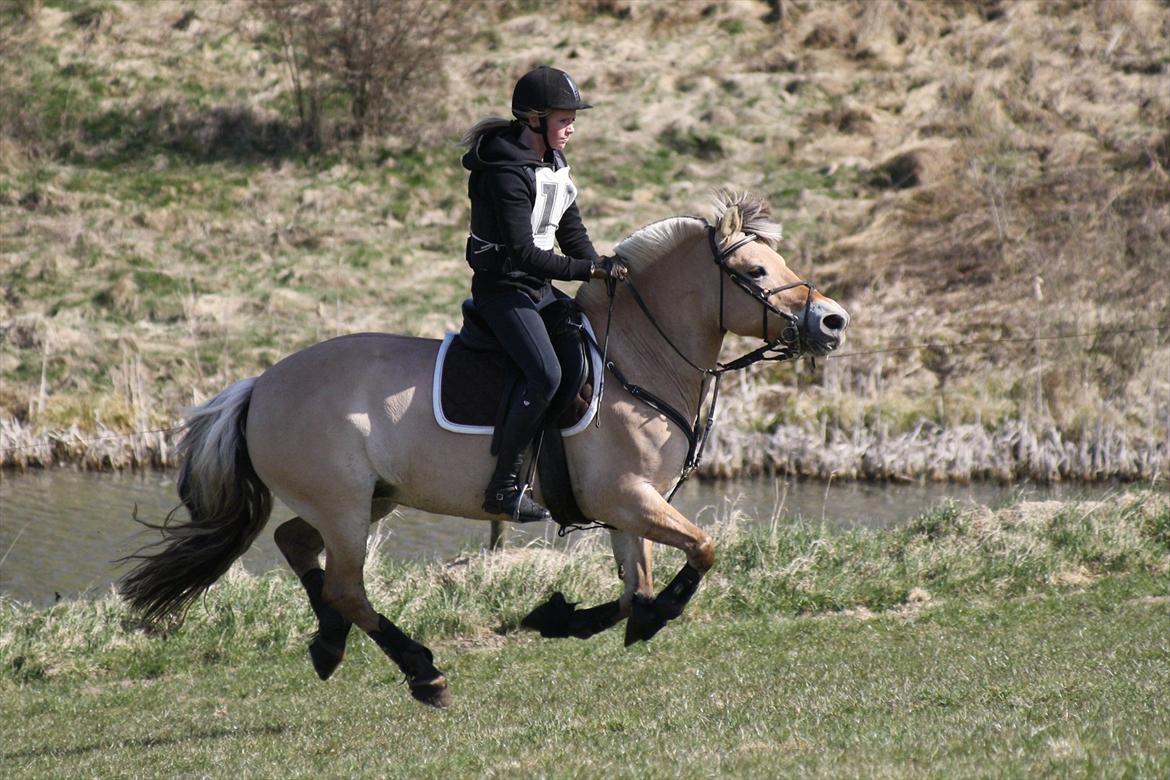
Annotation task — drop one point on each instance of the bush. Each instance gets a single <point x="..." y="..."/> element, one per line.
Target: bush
<point x="377" y="58"/>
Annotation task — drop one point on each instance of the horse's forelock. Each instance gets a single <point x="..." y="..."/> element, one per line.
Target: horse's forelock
<point x="756" y="213"/>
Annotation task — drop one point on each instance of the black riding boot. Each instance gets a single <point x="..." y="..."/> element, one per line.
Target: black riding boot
<point x="503" y="495"/>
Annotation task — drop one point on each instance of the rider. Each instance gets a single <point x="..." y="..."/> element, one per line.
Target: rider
<point x="521" y="199"/>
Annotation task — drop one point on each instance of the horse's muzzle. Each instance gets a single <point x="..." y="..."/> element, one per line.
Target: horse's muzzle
<point x="824" y="326"/>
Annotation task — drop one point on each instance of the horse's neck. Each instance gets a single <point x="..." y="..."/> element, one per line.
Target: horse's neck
<point x="643" y="355"/>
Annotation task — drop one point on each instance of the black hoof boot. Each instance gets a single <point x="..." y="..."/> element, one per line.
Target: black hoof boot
<point x="645" y="620"/>
<point x="516" y="505"/>
<point x="417" y="663"/>
<point x="328" y="646"/>
<point x="427" y="684"/>
<point x="325" y="657"/>
<point x="648" y="616"/>
<point x="433" y="692"/>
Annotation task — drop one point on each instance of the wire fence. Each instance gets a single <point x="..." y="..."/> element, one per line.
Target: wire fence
<point x="956" y="345"/>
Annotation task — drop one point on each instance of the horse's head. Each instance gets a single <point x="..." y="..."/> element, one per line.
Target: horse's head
<point x="730" y="271"/>
<point x="759" y="294"/>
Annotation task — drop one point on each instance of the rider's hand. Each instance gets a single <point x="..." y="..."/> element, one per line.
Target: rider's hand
<point x="610" y="267"/>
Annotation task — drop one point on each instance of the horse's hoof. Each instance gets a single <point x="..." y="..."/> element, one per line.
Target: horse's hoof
<point x="551" y="619"/>
<point x="644" y="621"/>
<point x="433" y="692"/>
<point x="325" y="658"/>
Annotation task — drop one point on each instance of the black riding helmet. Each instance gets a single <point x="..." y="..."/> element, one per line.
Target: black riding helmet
<point x="546" y="89"/>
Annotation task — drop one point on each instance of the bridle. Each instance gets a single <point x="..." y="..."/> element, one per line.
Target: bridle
<point x="789" y="344"/>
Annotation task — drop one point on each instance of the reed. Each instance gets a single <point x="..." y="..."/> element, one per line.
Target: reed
<point x="22" y="447"/>
<point x="1014" y="450"/>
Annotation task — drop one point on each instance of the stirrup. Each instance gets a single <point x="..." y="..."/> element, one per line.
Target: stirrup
<point x="516" y="504"/>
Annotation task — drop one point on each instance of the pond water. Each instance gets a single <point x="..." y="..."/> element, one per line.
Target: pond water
<point x="61" y="530"/>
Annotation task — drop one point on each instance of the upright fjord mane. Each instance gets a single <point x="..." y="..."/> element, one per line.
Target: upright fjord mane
<point x="659" y="239"/>
<point x="756" y="213"/>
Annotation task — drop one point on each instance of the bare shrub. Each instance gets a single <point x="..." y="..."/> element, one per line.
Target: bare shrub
<point x="380" y="58"/>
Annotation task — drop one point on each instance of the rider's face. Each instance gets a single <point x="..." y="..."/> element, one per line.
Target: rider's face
<point x="560" y="128"/>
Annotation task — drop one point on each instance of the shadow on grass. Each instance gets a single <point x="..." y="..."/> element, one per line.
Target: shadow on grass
<point x="147" y="742"/>
<point x="233" y="134"/>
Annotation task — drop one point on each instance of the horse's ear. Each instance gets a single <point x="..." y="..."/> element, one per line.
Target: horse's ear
<point x="730" y="223"/>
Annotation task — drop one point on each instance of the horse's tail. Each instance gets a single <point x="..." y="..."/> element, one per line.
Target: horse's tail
<point x="227" y="502"/>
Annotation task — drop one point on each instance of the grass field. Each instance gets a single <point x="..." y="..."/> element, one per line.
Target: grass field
<point x="1025" y="642"/>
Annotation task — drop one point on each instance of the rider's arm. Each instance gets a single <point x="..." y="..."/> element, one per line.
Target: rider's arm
<point x="509" y="188"/>
<point x="573" y="238"/>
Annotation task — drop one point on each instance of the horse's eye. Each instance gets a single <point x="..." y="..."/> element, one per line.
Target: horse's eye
<point x="757" y="272"/>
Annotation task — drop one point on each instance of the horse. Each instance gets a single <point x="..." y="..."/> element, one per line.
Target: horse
<point x="344" y="430"/>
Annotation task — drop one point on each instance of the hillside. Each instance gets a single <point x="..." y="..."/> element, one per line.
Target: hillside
<point x="991" y="175"/>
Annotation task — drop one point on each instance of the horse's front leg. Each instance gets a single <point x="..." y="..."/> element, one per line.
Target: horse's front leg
<point x="658" y="521"/>
<point x="558" y="618"/>
<point x="635" y="559"/>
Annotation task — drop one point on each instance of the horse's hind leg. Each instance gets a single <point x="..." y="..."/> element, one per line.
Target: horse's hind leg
<point x="302" y="545"/>
<point x="344" y="591"/>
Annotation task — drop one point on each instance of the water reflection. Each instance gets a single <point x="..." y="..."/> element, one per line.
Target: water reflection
<point x="61" y="530"/>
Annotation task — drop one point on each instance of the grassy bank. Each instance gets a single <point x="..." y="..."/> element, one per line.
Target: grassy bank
<point x="1025" y="641"/>
<point x="982" y="185"/>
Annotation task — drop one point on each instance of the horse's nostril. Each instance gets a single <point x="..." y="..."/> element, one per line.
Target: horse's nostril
<point x="833" y="323"/>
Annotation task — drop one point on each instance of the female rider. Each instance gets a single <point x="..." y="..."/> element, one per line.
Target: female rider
<point x="521" y="200"/>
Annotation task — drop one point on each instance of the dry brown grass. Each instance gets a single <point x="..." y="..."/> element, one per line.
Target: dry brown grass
<point x="950" y="171"/>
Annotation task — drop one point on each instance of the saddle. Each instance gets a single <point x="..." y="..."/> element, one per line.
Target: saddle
<point x="475" y="381"/>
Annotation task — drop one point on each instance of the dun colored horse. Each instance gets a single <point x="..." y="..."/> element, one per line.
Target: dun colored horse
<point x="344" y="431"/>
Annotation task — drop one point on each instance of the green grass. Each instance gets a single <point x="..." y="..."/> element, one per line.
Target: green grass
<point x="959" y="646"/>
<point x="1072" y="684"/>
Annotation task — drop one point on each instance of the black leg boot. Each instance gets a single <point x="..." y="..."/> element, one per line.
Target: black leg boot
<point x="503" y="495"/>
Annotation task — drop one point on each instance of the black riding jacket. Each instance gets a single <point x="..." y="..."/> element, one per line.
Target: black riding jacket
<point x="516" y="199"/>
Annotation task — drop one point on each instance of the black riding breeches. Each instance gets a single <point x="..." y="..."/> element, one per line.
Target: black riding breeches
<point x="515" y="320"/>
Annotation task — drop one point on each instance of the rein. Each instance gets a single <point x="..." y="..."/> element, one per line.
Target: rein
<point x="787" y="346"/>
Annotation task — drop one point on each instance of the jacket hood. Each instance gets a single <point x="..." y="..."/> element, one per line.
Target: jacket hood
<point x="500" y="149"/>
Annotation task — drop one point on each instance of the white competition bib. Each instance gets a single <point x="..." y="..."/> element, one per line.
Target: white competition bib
<point x="555" y="192"/>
